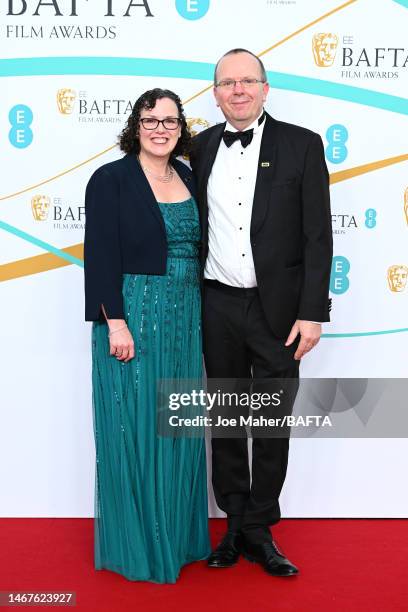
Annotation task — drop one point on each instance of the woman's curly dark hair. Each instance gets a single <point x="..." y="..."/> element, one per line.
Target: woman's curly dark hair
<point x="129" y="138"/>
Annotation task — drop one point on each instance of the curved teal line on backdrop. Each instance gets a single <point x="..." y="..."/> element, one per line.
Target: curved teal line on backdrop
<point x="74" y="260"/>
<point x="338" y="91"/>
<point x="40" y="243"/>
<point x="136" y="66"/>
<point x="118" y="66"/>
<point x="402" y="2"/>
<point x="360" y="334"/>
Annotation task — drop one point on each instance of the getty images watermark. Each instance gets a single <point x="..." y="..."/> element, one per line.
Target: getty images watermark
<point x="252" y="401"/>
<point x="306" y="408"/>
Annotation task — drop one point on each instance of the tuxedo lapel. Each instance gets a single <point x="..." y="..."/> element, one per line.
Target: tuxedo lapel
<point x="209" y="156"/>
<point x="265" y="173"/>
<point x="211" y="153"/>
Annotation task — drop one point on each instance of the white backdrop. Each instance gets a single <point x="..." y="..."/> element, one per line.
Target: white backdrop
<point x="101" y="63"/>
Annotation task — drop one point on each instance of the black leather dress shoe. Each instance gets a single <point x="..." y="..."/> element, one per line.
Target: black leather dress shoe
<point x="228" y="550"/>
<point x="270" y="557"/>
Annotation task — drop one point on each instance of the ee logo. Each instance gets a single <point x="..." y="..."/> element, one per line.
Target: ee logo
<point x="339" y="282"/>
<point x="21" y="117"/>
<point x="370" y="218"/>
<point x="336" y="150"/>
<point x="192" y="9"/>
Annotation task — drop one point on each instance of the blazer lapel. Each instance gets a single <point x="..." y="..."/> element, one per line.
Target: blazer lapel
<point x="265" y="173"/>
<point x="144" y="191"/>
<point x="186" y="176"/>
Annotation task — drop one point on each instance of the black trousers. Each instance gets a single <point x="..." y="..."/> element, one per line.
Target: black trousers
<point x="238" y="343"/>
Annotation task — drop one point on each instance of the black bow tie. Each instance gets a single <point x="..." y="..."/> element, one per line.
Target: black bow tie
<point x="245" y="137"/>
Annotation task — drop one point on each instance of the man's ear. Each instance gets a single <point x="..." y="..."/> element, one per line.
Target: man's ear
<point x="215" y="96"/>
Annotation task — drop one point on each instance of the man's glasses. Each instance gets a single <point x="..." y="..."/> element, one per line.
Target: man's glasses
<point x="245" y="83"/>
<point x="169" y="123"/>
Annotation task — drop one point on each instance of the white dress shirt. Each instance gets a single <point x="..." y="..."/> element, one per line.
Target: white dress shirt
<point x="230" y="195"/>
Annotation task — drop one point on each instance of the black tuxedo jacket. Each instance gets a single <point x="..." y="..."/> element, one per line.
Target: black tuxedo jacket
<point x="124" y="232"/>
<point x="291" y="233"/>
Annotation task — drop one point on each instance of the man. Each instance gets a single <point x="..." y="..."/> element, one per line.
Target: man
<point x="266" y="256"/>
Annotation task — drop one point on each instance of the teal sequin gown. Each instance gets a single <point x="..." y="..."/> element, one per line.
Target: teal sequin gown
<point x="151" y="513"/>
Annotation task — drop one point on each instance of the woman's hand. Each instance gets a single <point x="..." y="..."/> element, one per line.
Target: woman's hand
<point x="120" y="341"/>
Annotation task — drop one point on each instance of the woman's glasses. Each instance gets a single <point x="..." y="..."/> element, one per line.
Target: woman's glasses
<point x="169" y="123"/>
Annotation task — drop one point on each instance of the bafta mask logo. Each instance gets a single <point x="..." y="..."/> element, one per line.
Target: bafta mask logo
<point x="324" y="49"/>
<point x="66" y="100"/>
<point x="40" y="206"/>
<point x="406" y="204"/>
<point x="192" y="123"/>
<point x="397" y="278"/>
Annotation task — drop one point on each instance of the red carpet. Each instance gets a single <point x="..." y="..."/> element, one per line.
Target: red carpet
<point x="345" y="565"/>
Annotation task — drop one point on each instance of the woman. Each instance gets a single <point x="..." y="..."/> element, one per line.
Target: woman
<point x="142" y="292"/>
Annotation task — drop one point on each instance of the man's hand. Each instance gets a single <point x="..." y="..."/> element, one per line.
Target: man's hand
<point x="309" y="336"/>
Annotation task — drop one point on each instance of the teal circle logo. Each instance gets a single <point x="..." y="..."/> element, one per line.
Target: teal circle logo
<point x="192" y="9"/>
<point x="339" y="282"/>
<point x="370" y="218"/>
<point x="20" y="117"/>
<point x="336" y="150"/>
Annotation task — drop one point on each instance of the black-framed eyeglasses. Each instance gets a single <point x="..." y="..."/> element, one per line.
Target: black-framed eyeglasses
<point x="169" y="123"/>
<point x="245" y="83"/>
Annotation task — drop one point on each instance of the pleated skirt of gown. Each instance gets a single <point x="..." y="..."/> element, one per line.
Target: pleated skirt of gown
<point x="151" y="515"/>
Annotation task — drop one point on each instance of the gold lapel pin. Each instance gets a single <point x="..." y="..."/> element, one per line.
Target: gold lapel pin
<point x="265" y="164"/>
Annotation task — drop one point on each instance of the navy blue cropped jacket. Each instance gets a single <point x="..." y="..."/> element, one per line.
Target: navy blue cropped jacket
<point x="124" y="232"/>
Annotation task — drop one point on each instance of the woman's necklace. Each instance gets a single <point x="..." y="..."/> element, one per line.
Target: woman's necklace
<point x="164" y="178"/>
